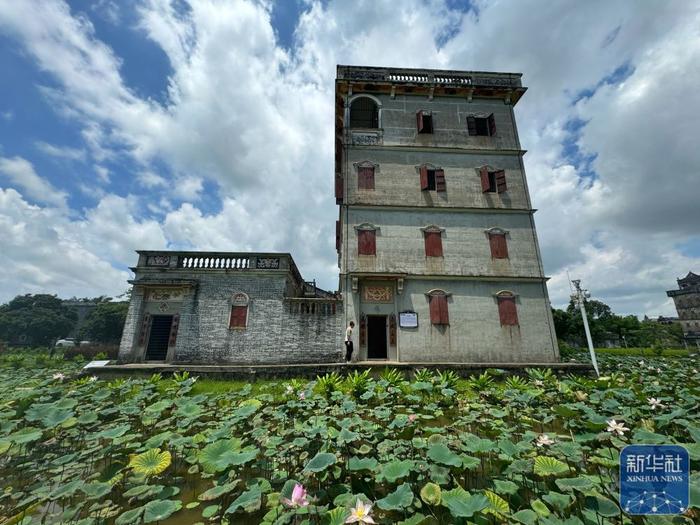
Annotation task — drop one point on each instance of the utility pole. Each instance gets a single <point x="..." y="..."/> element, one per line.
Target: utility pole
<point x="579" y="297"/>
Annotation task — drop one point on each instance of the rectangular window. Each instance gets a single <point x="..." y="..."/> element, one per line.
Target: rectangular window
<point x="493" y="181"/>
<point x="433" y="244"/>
<point x="438" y="310"/>
<point x="365" y="178"/>
<point x="424" y="122"/>
<point x="432" y="179"/>
<point x="337" y="235"/>
<point x="499" y="246"/>
<point x="507" y="311"/>
<point x="239" y="317"/>
<point x="481" y="126"/>
<point x="338" y="189"/>
<point x="366" y="242"/>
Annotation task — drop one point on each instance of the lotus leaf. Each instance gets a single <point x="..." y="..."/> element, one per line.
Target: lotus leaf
<point x="96" y="490"/>
<point x="337" y="516"/>
<point x="158" y="510"/>
<point x="151" y="463"/>
<point x="218" y="491"/>
<point x="505" y="487"/>
<point x="602" y="505"/>
<point x="356" y="463"/>
<point x="540" y="508"/>
<point x="442" y="454"/>
<point x="209" y="511"/>
<point x="249" y="501"/>
<point x="130" y="516"/>
<point x="569" y="484"/>
<point x="546" y="466"/>
<point x="526" y="516"/>
<point x="401" y="498"/>
<point x="431" y="493"/>
<point x="395" y="470"/>
<point x="220" y="455"/>
<point x="320" y="462"/>
<point x="25" y="435"/>
<point x="559" y="501"/>
<point x="497" y="505"/>
<point x="462" y="504"/>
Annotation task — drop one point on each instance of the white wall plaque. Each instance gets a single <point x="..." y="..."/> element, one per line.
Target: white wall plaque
<point x="408" y="320"/>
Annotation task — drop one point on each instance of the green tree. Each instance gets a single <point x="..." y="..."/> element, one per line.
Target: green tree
<point x="35" y="319"/>
<point x="105" y="323"/>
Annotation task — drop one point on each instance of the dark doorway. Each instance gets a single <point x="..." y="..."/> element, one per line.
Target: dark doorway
<point x="157" y="348"/>
<point x="376" y="337"/>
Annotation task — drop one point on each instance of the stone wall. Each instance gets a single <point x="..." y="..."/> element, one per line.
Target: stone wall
<point x="275" y="332"/>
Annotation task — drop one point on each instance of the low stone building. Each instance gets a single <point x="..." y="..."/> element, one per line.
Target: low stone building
<point x="687" y="301"/>
<point x="228" y="308"/>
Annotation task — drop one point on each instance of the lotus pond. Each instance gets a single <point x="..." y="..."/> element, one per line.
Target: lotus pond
<point x="429" y="449"/>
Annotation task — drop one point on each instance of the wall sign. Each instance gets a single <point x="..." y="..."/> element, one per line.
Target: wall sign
<point x="408" y="320"/>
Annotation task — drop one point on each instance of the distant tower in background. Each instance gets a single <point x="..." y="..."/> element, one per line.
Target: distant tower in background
<point x="687" y="301"/>
<point x="438" y="256"/>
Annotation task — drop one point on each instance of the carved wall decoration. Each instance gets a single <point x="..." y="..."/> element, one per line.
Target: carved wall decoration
<point x="377" y="294"/>
<point x="166" y="294"/>
<point x="163" y="307"/>
<point x="365" y="139"/>
<point x="240" y="299"/>
<point x="268" y="263"/>
<point x="158" y="260"/>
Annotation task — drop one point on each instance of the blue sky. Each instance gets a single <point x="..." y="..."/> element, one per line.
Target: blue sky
<point x="205" y="124"/>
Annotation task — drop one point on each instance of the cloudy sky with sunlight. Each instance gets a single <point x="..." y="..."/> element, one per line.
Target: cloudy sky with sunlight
<point x="208" y="125"/>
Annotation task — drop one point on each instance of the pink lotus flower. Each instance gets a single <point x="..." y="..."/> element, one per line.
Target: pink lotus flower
<point x="655" y="403"/>
<point x="302" y="395"/>
<point x="298" y="497"/>
<point x="412" y="418"/>
<point x="360" y="514"/>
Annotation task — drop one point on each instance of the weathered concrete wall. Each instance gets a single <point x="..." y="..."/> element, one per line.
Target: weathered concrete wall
<point x="274" y="334"/>
<point x="475" y="333"/>
<point x="398" y="121"/>
<point x="465" y="244"/>
<point x="397" y="180"/>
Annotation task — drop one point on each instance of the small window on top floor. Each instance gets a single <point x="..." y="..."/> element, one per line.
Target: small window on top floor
<point x="364" y="113"/>
<point x="424" y="122"/>
<point x="481" y="126"/>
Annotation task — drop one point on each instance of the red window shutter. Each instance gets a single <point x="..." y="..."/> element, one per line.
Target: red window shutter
<point x="507" y="311"/>
<point x="419" y="121"/>
<point x="433" y="244"/>
<point x="423" y="178"/>
<point x="434" y="310"/>
<point x="499" y="246"/>
<point x="438" y="310"/>
<point x="440" y="180"/>
<point x="484" y="173"/>
<point x="239" y="315"/>
<point x="471" y="125"/>
<point x="337" y="235"/>
<point x="338" y="187"/>
<point x="366" y="242"/>
<point x="444" y="316"/>
<point x="492" y="125"/>
<point x="501" y="181"/>
<point x="173" y="330"/>
<point x="365" y="178"/>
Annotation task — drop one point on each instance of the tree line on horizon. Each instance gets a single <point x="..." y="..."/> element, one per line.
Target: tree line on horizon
<point x="42" y="319"/>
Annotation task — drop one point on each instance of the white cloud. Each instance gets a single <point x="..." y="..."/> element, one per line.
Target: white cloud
<point x="64" y="152"/>
<point x="20" y="173"/>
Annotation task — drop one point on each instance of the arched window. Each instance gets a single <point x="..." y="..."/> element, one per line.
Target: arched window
<point x="507" y="310"/>
<point x="437" y="300"/>
<point x="498" y="243"/>
<point x="364" y="113"/>
<point x="366" y="239"/>
<point x="239" y="311"/>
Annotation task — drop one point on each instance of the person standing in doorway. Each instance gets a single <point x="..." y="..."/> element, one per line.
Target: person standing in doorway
<point x="348" y="342"/>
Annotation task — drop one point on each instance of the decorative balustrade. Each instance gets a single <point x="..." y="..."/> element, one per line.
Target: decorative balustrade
<point x="214" y="262"/>
<point x="307" y="306"/>
<point x="429" y="76"/>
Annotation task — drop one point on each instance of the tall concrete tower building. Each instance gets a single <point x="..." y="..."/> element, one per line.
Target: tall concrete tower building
<point x="438" y="255"/>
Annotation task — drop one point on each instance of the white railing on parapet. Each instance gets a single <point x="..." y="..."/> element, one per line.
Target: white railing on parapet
<point x="214" y="262"/>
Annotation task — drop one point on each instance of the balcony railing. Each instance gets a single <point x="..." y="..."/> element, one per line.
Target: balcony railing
<point x="429" y="76"/>
<point x="318" y="306"/>
<point x="222" y="262"/>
